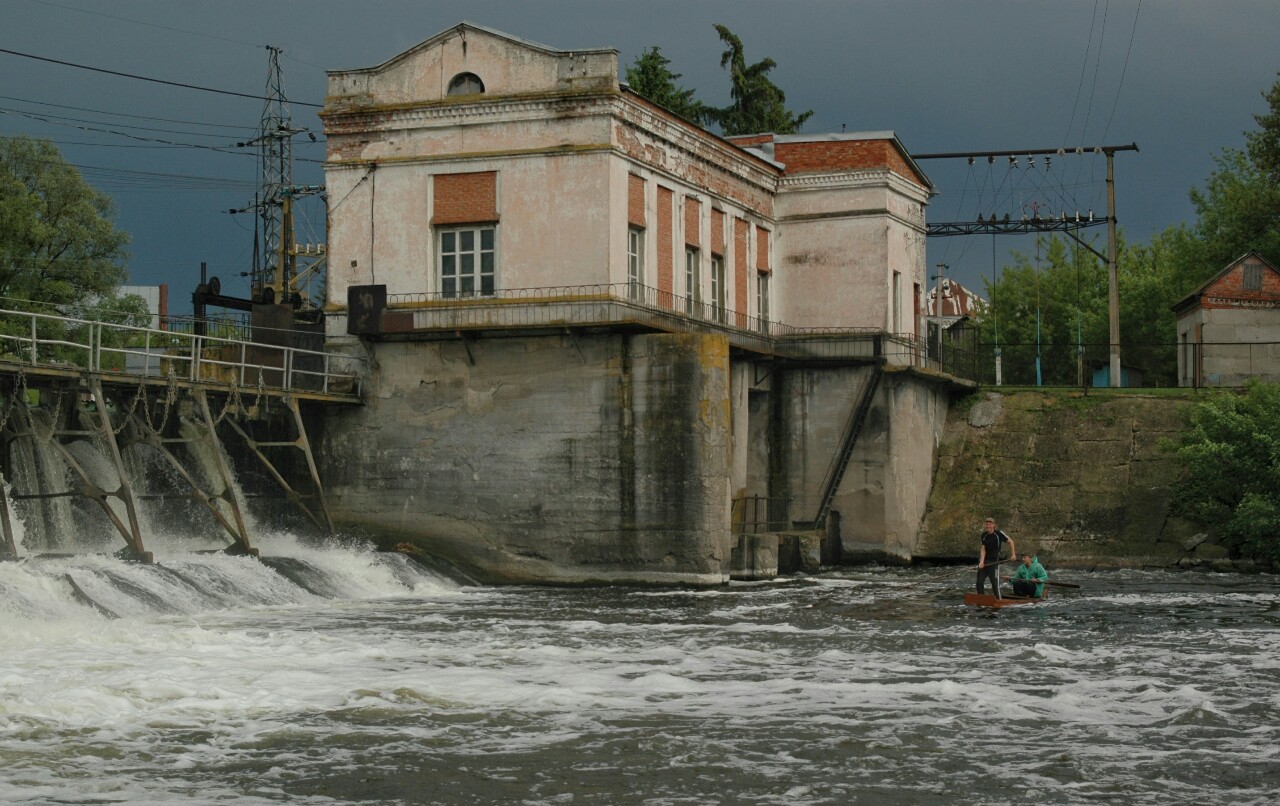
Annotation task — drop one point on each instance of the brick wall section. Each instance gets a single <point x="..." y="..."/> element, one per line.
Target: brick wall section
<point x="844" y="155"/>
<point x="635" y="201"/>
<point x="465" y="198"/>
<point x="699" y="165"/>
<point x="717" y="232"/>
<point x="665" y="246"/>
<point x="740" y="233"/>
<point x="692" y="221"/>
<point x="746" y="140"/>
<point x="762" y="249"/>
<point x="1230" y="286"/>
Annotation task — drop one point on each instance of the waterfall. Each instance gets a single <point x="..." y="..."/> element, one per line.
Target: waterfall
<point x="35" y="467"/>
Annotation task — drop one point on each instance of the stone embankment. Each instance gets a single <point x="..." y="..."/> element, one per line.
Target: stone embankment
<point x="1082" y="480"/>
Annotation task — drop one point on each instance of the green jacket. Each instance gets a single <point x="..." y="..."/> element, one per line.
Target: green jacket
<point x="1035" y="572"/>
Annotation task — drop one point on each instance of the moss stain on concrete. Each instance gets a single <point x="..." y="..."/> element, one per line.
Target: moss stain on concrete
<point x="1082" y="480"/>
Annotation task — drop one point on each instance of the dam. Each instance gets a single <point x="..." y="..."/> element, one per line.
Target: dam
<point x="568" y="338"/>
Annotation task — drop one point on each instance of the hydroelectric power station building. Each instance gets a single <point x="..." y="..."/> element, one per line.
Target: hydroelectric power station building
<point x="604" y="344"/>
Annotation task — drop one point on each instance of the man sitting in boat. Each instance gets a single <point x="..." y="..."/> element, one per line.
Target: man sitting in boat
<point x="1030" y="577"/>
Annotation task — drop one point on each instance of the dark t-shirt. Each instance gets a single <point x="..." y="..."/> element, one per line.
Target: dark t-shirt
<point x="992" y="541"/>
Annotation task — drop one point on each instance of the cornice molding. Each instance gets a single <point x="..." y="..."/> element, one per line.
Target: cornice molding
<point x="856" y="180"/>
<point x="389" y="117"/>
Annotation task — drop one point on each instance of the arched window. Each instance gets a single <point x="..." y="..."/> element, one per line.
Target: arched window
<point x="466" y="84"/>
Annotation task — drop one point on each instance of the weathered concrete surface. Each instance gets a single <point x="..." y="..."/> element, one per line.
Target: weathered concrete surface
<point x="878" y="507"/>
<point x="551" y="459"/>
<point x="1081" y="480"/>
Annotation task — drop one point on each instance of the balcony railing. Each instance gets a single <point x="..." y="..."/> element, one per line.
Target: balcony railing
<point x="630" y="303"/>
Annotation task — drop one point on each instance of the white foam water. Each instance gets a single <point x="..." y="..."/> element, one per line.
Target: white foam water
<point x="339" y="675"/>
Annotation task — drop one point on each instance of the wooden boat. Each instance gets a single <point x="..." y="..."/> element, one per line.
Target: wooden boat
<point x="987" y="600"/>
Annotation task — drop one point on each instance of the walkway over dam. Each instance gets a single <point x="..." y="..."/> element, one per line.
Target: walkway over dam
<point x="84" y="404"/>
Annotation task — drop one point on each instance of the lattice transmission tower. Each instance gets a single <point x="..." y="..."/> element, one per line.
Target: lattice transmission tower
<point x="273" y="276"/>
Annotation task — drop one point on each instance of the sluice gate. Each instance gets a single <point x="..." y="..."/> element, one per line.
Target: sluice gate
<point x="96" y="418"/>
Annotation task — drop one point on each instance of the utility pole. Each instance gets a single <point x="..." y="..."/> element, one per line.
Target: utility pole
<point x="1113" y="283"/>
<point x="1064" y="223"/>
<point x="937" y="311"/>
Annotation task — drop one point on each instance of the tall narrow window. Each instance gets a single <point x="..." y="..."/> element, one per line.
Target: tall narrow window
<point x="692" y="281"/>
<point x="635" y="262"/>
<point x="718" y="291"/>
<point x="467" y="262"/>
<point x="762" y="300"/>
<point x="897" y="302"/>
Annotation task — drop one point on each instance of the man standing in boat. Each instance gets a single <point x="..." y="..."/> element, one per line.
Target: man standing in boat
<point x="989" y="555"/>
<point x="1030" y="577"/>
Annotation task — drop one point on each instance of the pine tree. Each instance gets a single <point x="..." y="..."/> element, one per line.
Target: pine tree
<point x="758" y="105"/>
<point x="651" y="78"/>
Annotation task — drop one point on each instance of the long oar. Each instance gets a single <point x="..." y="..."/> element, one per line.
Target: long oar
<point x="961" y="570"/>
<point x="1061" y="584"/>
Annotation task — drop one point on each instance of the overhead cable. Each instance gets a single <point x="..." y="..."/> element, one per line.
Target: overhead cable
<point x="148" y="78"/>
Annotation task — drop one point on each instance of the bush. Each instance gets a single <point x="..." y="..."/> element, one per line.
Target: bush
<point x="1232" y="459"/>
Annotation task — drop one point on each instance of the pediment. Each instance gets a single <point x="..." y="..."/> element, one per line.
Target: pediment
<point x="504" y="65"/>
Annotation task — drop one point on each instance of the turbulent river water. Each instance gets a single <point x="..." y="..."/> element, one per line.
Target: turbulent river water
<point x="338" y="675"/>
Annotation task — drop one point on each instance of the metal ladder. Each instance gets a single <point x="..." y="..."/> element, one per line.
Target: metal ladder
<point x="858" y="418"/>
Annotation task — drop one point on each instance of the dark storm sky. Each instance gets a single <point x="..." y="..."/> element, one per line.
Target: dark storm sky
<point x="945" y="75"/>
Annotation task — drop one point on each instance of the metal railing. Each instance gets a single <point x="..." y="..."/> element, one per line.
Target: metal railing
<point x="1087" y="365"/>
<point x="58" y="342"/>
<point x="755" y="514"/>
<point x="631" y="303"/>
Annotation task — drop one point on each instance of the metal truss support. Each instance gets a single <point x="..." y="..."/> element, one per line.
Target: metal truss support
<point x="323" y="520"/>
<point x="239" y="534"/>
<point x="994" y="226"/>
<point x="131" y="532"/>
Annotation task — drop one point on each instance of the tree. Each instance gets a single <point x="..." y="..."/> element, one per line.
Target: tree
<point x="1264" y="145"/>
<point x="758" y="105"/>
<point x="650" y="78"/>
<point x="1232" y="458"/>
<point x="58" y="244"/>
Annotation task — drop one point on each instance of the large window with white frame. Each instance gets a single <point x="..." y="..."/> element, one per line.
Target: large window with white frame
<point x="468" y="261"/>
<point x="692" y="280"/>
<point x="635" y="262"/>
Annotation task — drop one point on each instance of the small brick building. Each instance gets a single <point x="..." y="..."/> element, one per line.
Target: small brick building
<point x="1229" y="327"/>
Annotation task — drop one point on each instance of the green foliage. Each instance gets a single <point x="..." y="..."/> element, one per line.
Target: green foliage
<point x="650" y="78"/>
<point x="1063" y="294"/>
<point x="758" y="105"/>
<point x="60" y="254"/>
<point x="1237" y="210"/>
<point x="1264" y="144"/>
<point x="58" y="244"/>
<point x="1232" y="458"/>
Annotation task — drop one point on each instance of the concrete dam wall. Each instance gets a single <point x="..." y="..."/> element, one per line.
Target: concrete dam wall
<point x="552" y="459"/>
<point x="1082" y="480"/>
<point x="603" y="457"/>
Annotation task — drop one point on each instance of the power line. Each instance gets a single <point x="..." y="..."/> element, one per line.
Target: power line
<point x="126" y="115"/>
<point x="51" y="118"/>
<point x="140" y="22"/>
<point x="53" y="122"/>
<point x="167" y="28"/>
<point x="1123" y="70"/>
<point x="229" y="149"/>
<point x="148" y="78"/>
<point x="1075" y="105"/>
